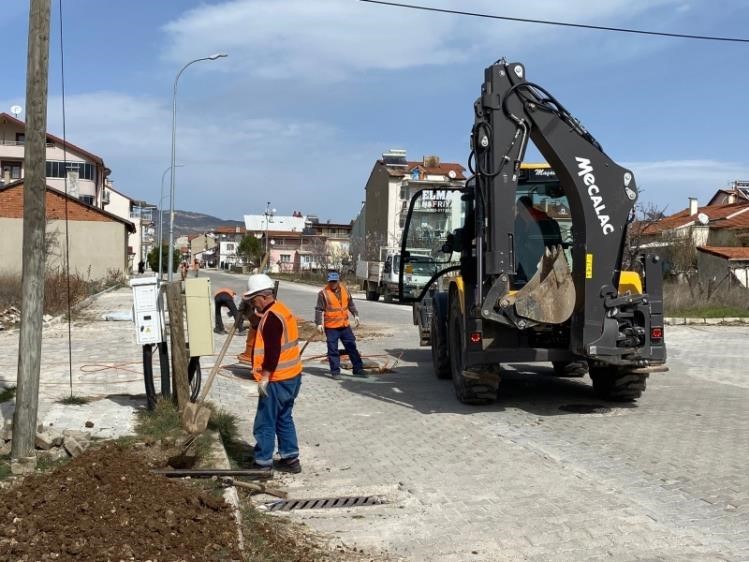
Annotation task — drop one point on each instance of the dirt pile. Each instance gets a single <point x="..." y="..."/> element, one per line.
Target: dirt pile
<point x="106" y="505"/>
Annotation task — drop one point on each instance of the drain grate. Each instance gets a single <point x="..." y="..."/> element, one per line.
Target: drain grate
<point x="585" y="408"/>
<point x="324" y="503"/>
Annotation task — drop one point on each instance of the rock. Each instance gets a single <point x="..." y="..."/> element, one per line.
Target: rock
<point x="77" y="435"/>
<point x="23" y="465"/>
<point x="89" y="424"/>
<point x="5" y="448"/>
<point x="47" y="439"/>
<point x="53" y="455"/>
<point x="73" y="446"/>
<point x="47" y="318"/>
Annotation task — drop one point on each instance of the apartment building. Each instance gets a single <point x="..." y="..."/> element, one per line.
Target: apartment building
<point x="393" y="181"/>
<point x="83" y="176"/>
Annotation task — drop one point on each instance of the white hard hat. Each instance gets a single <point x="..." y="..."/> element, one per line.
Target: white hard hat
<point x="258" y="282"/>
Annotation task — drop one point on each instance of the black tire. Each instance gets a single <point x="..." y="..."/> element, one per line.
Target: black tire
<point x="570" y="369"/>
<point x="467" y="390"/>
<point x="617" y="384"/>
<point x="371" y="295"/>
<point x="438" y="342"/>
<point x="387" y="297"/>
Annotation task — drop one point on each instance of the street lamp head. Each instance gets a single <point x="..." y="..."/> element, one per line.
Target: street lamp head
<point x="218" y="56"/>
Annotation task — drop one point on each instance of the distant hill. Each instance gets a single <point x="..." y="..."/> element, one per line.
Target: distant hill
<point x="188" y="222"/>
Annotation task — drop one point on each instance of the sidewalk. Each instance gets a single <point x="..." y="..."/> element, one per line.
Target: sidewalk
<point x="107" y="366"/>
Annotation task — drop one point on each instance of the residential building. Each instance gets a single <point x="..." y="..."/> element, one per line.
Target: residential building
<point x="85" y="172"/>
<point x="723" y="264"/>
<point x="142" y="215"/>
<point x="83" y="176"/>
<point x="678" y="238"/>
<point x="98" y="240"/>
<point x="298" y="243"/>
<point x="228" y="239"/>
<point x="204" y="248"/>
<point x="392" y="182"/>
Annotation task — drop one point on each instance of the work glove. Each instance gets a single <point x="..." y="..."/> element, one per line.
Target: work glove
<point x="262" y="387"/>
<point x="320" y="328"/>
<point x="356" y="321"/>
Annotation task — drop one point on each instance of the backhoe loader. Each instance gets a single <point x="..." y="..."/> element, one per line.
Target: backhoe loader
<point x="528" y="257"/>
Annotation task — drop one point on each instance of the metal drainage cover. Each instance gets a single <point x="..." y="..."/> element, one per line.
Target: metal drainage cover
<point x="585" y="408"/>
<point x="324" y="503"/>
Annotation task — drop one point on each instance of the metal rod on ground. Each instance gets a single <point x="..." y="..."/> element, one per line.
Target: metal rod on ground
<point x="209" y="472"/>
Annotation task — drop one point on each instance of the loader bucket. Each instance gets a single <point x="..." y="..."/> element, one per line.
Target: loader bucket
<point x="549" y="296"/>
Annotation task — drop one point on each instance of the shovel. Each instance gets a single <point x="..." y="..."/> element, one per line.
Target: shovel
<point x="195" y="416"/>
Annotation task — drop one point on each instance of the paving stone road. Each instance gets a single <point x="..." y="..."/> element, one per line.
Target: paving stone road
<point x="521" y="479"/>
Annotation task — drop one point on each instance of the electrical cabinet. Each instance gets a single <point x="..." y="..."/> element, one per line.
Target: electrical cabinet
<point x="147" y="310"/>
<point x="199" y="304"/>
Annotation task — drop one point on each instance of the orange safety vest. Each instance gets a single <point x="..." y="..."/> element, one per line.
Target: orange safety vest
<point x="336" y="312"/>
<point x="226" y="290"/>
<point x="289" y="363"/>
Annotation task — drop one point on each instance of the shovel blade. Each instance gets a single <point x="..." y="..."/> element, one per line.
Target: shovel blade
<point x="549" y="296"/>
<point x="195" y="418"/>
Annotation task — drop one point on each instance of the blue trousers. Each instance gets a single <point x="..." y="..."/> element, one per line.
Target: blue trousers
<point x="273" y="419"/>
<point x="346" y="335"/>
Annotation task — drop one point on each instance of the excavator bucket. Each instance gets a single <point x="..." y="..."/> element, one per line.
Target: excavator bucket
<point x="549" y="296"/>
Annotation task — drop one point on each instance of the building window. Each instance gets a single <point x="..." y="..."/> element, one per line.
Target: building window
<point x="285" y="258"/>
<point x="12" y="169"/>
<point x="58" y="169"/>
<point x="87" y="199"/>
<point x="230" y="247"/>
<point x="20" y="138"/>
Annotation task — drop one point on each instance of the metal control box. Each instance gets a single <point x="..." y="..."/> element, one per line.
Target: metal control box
<point x="198" y="305"/>
<point x="147" y="310"/>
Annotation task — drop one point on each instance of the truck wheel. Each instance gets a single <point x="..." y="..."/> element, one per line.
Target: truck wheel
<point x="371" y="295"/>
<point x="468" y="390"/>
<point x="570" y="369"/>
<point x="387" y="297"/>
<point x="440" y="360"/>
<point x="617" y="384"/>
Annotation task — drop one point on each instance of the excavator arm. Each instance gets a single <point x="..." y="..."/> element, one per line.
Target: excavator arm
<point x="601" y="195"/>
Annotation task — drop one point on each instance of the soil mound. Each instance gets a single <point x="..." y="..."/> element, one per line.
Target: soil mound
<point x="106" y="505"/>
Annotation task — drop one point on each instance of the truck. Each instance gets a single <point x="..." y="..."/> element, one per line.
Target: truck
<point x="383" y="277"/>
<point x="539" y="275"/>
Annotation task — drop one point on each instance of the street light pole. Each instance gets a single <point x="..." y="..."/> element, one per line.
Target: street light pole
<point x="268" y="215"/>
<point x="174" y="138"/>
<point x="161" y="219"/>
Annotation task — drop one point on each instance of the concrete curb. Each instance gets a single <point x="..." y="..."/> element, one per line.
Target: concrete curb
<point x="677" y="321"/>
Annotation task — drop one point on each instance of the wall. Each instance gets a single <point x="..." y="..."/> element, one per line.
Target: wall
<point x="715" y="267"/>
<point x="95" y="246"/>
<point x="378" y="216"/>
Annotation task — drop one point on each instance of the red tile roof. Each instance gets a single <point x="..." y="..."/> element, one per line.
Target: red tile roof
<point x="721" y="216"/>
<point x="441" y="169"/>
<point x="729" y="253"/>
<point x="230" y="230"/>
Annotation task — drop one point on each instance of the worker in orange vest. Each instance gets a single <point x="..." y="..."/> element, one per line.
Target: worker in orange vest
<point x="334" y="303"/>
<point x="224" y="297"/>
<point x="277" y="367"/>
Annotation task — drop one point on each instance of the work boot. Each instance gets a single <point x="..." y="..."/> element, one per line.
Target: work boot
<point x="219" y="331"/>
<point x="263" y="467"/>
<point x="359" y="373"/>
<point x="288" y="465"/>
<point x="244" y="358"/>
<point x="336" y="376"/>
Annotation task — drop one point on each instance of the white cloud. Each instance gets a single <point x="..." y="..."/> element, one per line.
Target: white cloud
<point x="338" y="39"/>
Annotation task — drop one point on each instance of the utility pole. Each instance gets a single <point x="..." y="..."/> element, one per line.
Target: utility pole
<point x="34" y="226"/>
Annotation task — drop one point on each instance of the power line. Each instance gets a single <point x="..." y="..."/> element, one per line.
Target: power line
<point x="560" y="23"/>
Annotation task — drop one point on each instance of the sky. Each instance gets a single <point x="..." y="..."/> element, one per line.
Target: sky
<point x="312" y="92"/>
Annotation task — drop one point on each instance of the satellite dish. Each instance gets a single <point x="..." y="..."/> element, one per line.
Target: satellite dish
<point x="16" y="110"/>
<point x="452" y="174"/>
<point x="703" y="218"/>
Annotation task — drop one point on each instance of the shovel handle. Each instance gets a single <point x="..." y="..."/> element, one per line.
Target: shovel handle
<point x="217" y="364"/>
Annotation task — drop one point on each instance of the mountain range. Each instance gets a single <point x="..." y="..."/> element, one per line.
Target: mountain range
<point x="189" y="222"/>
